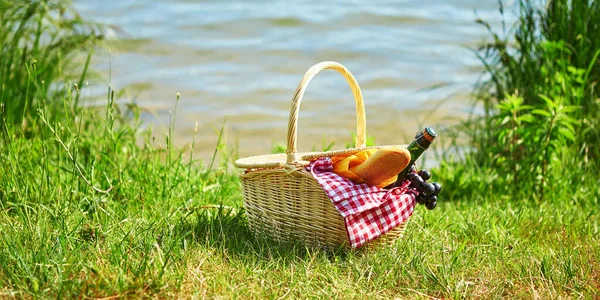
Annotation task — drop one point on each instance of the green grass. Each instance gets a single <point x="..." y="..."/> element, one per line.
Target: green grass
<point x="536" y="117"/>
<point x="553" y="50"/>
<point x="44" y="39"/>
<point x="88" y="210"/>
<point x="91" y="206"/>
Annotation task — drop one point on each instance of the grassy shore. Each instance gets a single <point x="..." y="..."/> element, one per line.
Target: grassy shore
<point x="88" y="211"/>
<point x="92" y="206"/>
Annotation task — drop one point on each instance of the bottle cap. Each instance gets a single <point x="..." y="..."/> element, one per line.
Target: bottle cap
<point x="425" y="137"/>
<point x="429" y="133"/>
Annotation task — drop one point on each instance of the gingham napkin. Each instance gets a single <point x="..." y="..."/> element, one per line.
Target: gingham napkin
<point x="367" y="210"/>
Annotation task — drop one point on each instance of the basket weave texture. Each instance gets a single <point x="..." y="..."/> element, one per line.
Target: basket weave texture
<point x="284" y="201"/>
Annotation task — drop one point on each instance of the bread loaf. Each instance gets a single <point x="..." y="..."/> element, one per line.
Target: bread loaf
<point x="382" y="168"/>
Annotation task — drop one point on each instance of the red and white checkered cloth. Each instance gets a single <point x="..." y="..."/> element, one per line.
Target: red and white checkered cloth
<point x="368" y="210"/>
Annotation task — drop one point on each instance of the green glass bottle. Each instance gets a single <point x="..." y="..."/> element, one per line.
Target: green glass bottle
<point x="422" y="141"/>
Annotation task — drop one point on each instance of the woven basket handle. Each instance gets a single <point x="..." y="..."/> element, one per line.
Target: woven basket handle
<point x="361" y="128"/>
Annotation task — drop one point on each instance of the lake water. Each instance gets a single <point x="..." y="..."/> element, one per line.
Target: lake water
<point x="239" y="62"/>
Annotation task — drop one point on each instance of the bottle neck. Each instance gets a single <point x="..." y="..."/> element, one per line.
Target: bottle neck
<point x="425" y="137"/>
<point x="416" y="148"/>
<point x="420" y="143"/>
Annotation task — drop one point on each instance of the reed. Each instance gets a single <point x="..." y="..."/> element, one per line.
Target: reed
<point x="552" y="51"/>
<point x="539" y="108"/>
<point x="43" y="44"/>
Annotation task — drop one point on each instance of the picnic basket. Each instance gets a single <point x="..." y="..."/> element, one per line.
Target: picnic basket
<point x="284" y="201"/>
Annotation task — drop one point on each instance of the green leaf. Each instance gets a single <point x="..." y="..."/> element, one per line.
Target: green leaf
<point x="569" y="126"/>
<point x="549" y="102"/>
<point x="541" y="112"/>
<point x="501" y="136"/>
<point x="528" y="118"/>
<point x="564" y="132"/>
<point x="570" y="108"/>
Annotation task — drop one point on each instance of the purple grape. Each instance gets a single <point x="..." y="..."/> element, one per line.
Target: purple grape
<point x="431" y="205"/>
<point x="431" y="198"/>
<point x="421" y="198"/>
<point x="427" y="188"/>
<point x="411" y="176"/>
<point x="412" y="169"/>
<point x="425" y="174"/>
<point x="417" y="181"/>
<point x="438" y="188"/>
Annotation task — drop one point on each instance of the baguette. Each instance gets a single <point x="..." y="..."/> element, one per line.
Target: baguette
<point x="383" y="166"/>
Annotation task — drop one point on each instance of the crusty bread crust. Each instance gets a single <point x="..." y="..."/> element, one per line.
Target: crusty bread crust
<point x="382" y="167"/>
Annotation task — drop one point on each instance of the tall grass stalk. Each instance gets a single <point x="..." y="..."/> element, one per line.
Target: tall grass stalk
<point x="45" y="40"/>
<point x="552" y="51"/>
<point x="540" y="106"/>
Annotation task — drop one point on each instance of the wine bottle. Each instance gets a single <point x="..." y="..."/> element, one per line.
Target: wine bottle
<point x="422" y="141"/>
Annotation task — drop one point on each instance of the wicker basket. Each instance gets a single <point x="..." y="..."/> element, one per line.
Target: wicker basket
<point x="284" y="201"/>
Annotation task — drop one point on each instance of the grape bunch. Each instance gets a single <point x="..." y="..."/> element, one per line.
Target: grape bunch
<point x="428" y="191"/>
